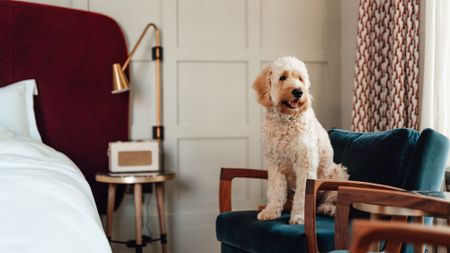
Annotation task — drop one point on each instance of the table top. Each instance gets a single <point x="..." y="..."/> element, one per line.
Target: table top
<point x="401" y="211"/>
<point x="133" y="178"/>
<point x="435" y="194"/>
<point x="388" y="210"/>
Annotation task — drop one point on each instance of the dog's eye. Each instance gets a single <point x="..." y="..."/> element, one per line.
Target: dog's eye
<point x="282" y="78"/>
<point x="300" y="78"/>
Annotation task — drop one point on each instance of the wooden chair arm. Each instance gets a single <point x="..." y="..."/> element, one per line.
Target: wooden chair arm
<point x="366" y="232"/>
<point x="349" y="195"/>
<point x="226" y="177"/>
<point x="313" y="186"/>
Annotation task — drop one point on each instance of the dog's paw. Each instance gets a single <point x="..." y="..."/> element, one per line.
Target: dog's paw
<point x="327" y="209"/>
<point x="268" y="214"/>
<point x="297" y="219"/>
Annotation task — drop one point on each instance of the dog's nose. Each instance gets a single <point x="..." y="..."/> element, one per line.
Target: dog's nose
<point x="297" y="93"/>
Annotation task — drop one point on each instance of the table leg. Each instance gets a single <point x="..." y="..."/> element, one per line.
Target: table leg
<point x="159" y="187"/>
<point x="448" y="218"/>
<point x="375" y="246"/>
<point x="110" y="209"/>
<point x="395" y="246"/>
<point x="138" y="216"/>
<point x="419" y="247"/>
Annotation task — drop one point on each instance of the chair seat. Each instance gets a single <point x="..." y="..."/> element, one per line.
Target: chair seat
<point x="242" y="230"/>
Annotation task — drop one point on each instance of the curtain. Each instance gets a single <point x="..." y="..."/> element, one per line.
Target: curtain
<point x="387" y="66"/>
<point x="435" y="111"/>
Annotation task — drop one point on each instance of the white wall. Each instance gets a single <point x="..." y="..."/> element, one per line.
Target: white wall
<point x="213" y="51"/>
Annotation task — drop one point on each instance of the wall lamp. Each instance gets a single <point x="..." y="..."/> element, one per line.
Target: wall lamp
<point x="121" y="84"/>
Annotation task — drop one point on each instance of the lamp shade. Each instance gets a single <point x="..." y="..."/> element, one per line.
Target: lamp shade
<point x="120" y="81"/>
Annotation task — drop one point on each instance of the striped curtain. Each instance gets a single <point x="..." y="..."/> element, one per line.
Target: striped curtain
<point x="387" y="66"/>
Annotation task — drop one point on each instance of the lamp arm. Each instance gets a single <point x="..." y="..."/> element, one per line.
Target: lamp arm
<point x="158" y="130"/>
<point x="157" y="42"/>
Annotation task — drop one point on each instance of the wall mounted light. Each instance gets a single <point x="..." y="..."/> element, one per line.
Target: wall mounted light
<point x="121" y="83"/>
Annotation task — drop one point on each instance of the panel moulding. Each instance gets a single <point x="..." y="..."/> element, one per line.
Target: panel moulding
<point x="244" y="93"/>
<point x="245" y="24"/>
<point x="244" y="164"/>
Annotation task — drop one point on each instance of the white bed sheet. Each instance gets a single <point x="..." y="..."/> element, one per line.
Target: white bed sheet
<point x="46" y="205"/>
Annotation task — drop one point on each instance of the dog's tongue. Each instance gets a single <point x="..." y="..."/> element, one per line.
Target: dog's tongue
<point x="294" y="103"/>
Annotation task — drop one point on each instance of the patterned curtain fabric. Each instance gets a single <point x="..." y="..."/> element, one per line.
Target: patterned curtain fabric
<point x="387" y="66"/>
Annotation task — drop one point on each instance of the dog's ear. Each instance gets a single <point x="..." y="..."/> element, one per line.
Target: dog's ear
<point x="262" y="87"/>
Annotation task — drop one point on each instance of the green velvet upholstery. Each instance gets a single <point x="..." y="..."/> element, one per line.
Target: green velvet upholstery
<point x="361" y="153"/>
<point x="426" y="167"/>
<point x="226" y="248"/>
<point x="398" y="157"/>
<point x="339" y="251"/>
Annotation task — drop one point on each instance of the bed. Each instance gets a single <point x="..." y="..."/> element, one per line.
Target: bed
<point x="49" y="199"/>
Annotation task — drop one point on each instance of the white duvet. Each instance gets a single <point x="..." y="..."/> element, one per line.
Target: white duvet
<point x="46" y="205"/>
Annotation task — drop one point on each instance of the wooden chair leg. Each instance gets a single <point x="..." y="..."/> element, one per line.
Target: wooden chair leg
<point x="159" y="188"/>
<point x="110" y="209"/>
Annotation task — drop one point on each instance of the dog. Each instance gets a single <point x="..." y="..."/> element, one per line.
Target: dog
<point x="296" y="146"/>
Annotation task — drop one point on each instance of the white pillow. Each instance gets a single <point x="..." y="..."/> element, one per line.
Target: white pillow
<point x="17" y="108"/>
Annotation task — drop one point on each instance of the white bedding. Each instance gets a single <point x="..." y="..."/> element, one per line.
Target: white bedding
<point x="46" y="205"/>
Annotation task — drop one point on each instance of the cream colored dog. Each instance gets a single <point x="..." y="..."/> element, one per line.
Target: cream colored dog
<point x="296" y="146"/>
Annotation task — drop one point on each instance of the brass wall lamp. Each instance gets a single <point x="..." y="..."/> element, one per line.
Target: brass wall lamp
<point x="121" y="84"/>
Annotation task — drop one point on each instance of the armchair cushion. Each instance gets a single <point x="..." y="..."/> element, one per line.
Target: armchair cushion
<point x="361" y="153"/>
<point x="270" y="236"/>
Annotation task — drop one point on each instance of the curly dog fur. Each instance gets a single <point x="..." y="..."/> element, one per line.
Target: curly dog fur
<point x="296" y="146"/>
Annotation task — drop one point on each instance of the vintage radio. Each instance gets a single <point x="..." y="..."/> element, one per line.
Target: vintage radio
<point x="139" y="156"/>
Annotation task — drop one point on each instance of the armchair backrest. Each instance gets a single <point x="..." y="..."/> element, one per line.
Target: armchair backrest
<point x="426" y="167"/>
<point x="399" y="157"/>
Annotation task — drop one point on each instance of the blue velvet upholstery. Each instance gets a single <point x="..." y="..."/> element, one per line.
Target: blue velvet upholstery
<point x="398" y="157"/>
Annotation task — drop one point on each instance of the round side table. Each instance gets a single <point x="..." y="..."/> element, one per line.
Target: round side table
<point x="400" y="214"/>
<point x="137" y="179"/>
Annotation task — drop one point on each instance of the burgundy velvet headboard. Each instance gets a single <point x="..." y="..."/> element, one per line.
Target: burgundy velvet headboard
<point x="70" y="54"/>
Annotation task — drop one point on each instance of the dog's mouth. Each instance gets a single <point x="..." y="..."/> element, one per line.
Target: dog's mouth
<point x="291" y="104"/>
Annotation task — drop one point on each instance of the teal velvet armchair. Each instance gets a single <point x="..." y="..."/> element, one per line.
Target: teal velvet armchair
<point x="395" y="159"/>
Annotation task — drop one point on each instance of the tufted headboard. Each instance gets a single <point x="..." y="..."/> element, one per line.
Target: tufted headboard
<point x="70" y="54"/>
